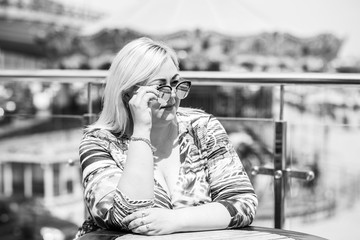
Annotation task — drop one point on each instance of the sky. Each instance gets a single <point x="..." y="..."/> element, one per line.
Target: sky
<point x="303" y="18"/>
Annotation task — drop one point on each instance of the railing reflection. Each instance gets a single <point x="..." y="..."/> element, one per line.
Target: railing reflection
<point x="268" y="129"/>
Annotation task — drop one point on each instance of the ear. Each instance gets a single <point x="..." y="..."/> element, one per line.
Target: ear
<point x="126" y="98"/>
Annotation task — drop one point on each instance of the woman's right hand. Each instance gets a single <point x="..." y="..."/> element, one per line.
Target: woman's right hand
<point x="140" y="108"/>
<point x="153" y="221"/>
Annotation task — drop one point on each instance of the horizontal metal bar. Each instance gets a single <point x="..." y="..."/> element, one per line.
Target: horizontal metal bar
<point x="197" y="77"/>
<point x="226" y="78"/>
<point x="305" y="175"/>
<point x="63" y="76"/>
<point x="262" y="171"/>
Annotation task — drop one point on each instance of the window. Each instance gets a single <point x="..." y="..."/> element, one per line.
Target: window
<point x="18" y="178"/>
<point x="38" y="180"/>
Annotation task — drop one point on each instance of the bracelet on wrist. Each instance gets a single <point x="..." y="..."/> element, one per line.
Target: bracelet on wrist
<point x="145" y="140"/>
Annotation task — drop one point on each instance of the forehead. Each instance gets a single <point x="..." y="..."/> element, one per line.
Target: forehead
<point x="167" y="70"/>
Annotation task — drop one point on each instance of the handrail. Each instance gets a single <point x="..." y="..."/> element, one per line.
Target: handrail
<point x="197" y="77"/>
<point x="280" y="172"/>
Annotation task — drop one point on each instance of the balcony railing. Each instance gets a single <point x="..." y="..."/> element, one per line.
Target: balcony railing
<point x="282" y="171"/>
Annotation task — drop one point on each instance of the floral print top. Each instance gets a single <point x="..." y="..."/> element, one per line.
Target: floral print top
<point x="210" y="171"/>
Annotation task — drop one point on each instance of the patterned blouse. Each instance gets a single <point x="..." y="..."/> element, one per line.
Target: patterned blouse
<point x="210" y="171"/>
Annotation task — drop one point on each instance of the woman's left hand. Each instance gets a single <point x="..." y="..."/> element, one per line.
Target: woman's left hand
<point x="152" y="221"/>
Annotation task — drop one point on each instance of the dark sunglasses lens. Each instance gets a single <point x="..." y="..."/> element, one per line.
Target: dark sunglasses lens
<point x="182" y="90"/>
<point x="164" y="92"/>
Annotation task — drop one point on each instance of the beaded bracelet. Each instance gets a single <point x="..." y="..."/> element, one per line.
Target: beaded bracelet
<point x="145" y="140"/>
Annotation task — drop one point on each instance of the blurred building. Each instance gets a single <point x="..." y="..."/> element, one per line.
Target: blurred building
<point x="32" y="32"/>
<point x="41" y="170"/>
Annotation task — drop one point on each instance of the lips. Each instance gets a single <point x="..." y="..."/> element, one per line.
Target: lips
<point x="167" y="106"/>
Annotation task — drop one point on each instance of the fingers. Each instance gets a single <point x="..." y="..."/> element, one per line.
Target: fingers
<point x="135" y="215"/>
<point x="144" y="229"/>
<point x="138" y="222"/>
<point x="136" y="219"/>
<point x="144" y="95"/>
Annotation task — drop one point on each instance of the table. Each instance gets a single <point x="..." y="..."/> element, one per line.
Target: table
<point x="247" y="233"/>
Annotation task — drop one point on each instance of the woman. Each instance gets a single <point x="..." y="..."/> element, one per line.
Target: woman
<point x="153" y="168"/>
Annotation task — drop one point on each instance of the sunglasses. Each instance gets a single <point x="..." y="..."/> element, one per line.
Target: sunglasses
<point x="182" y="89"/>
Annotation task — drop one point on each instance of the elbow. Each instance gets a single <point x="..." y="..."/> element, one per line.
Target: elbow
<point x="109" y="212"/>
<point x="243" y="218"/>
<point x="108" y="217"/>
<point x="242" y="211"/>
<point x="113" y="208"/>
<point x="249" y="209"/>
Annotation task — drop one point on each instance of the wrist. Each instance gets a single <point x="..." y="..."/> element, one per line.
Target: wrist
<point x="144" y="140"/>
<point x="142" y="132"/>
<point x="180" y="220"/>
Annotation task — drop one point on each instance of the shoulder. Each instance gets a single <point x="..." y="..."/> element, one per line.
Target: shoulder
<point x="197" y="118"/>
<point x="96" y="139"/>
<point x="98" y="134"/>
<point x="193" y="116"/>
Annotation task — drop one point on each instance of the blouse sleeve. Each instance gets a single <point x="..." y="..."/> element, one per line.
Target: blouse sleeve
<point x="229" y="182"/>
<point x="102" y="167"/>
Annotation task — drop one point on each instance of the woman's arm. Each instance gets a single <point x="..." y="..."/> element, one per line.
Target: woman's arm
<point x="157" y="221"/>
<point x="114" y="191"/>
<point x="234" y="201"/>
<point x="137" y="180"/>
<point x="102" y="165"/>
<point x="208" y="216"/>
<point x="229" y="182"/>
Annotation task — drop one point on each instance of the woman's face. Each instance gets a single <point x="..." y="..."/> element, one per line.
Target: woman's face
<point x="168" y="75"/>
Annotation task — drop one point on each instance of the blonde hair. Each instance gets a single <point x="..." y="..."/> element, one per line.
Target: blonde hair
<point x="135" y="63"/>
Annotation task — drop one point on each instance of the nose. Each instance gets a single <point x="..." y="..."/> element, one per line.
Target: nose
<point x="173" y="92"/>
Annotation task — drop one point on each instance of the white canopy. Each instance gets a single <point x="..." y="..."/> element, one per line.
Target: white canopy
<point x="303" y="18"/>
<point x="168" y="16"/>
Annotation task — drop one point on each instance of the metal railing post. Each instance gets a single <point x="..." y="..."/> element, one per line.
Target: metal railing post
<point x="89" y="117"/>
<point x="279" y="177"/>
<point x="279" y="164"/>
<point x="281" y="172"/>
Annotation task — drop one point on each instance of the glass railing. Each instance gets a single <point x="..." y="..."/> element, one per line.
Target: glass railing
<point x="40" y="182"/>
<point x="283" y="126"/>
<point x="324" y="137"/>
